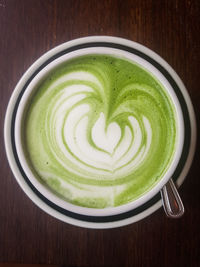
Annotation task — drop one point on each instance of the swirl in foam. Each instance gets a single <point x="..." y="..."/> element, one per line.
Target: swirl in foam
<point x="100" y="131"/>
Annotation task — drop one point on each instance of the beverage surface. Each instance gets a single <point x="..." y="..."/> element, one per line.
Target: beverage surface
<point x="100" y="131"/>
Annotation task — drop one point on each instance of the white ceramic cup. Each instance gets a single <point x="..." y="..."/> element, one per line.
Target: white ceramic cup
<point x="22" y="97"/>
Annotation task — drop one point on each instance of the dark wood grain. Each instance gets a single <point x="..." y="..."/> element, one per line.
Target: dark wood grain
<point x="25" y="265"/>
<point x="28" y="28"/>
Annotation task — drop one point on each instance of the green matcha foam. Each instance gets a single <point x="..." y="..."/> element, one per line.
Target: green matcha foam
<point x="100" y="131"/>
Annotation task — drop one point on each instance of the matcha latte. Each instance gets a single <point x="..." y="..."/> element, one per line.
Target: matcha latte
<point x="100" y="131"/>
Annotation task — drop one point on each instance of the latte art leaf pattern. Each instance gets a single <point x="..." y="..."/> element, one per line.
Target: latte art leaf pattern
<point x="100" y="131"/>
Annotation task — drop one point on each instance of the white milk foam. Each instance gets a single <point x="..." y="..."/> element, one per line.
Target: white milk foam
<point x="111" y="154"/>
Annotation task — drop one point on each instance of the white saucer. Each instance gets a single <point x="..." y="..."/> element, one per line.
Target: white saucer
<point x="106" y="221"/>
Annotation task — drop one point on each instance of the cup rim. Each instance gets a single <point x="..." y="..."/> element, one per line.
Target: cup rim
<point x="109" y="210"/>
<point x="44" y="57"/>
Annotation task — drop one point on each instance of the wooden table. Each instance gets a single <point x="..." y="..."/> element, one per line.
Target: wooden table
<point x="28" y="28"/>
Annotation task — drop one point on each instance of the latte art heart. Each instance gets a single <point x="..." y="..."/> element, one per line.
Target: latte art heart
<point x="100" y="131"/>
<point x="106" y="139"/>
